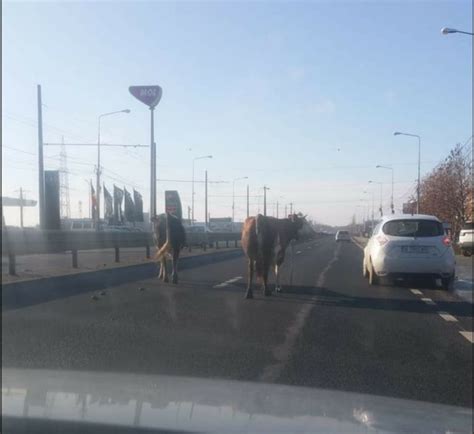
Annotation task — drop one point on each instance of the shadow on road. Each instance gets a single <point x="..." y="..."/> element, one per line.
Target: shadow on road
<point x="326" y="297"/>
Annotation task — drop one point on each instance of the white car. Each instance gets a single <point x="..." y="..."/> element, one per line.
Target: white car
<point x="407" y="245"/>
<point x="343" y="236"/>
<point x="466" y="238"/>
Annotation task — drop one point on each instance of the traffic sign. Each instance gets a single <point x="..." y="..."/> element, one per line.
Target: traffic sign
<point x="149" y="95"/>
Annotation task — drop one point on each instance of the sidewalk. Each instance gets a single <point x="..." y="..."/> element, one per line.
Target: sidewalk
<point x="57" y="264"/>
<point x="463" y="285"/>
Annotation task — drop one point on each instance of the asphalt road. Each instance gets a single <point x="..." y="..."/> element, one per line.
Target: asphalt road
<point x="329" y="329"/>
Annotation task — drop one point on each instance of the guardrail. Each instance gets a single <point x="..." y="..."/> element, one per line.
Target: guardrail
<point x="26" y="242"/>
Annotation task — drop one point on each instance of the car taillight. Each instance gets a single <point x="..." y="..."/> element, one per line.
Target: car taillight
<point x="381" y="240"/>
<point x="447" y="241"/>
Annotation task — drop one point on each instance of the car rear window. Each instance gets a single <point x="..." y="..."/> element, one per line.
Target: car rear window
<point x="413" y="228"/>
<point x="468" y="226"/>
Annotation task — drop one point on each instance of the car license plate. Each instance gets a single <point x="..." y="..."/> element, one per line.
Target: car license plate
<point x="415" y="249"/>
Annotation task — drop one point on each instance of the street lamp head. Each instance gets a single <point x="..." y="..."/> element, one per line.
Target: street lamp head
<point x="447" y="30"/>
<point x="378" y="166"/>
<point x="397" y="133"/>
<point x="126" y="111"/>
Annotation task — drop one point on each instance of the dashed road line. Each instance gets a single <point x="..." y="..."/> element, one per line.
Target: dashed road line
<point x="468" y="335"/>
<point x="282" y="352"/>
<point x="228" y="282"/>
<point x="447" y="317"/>
<point x="298" y="252"/>
<point x="416" y="291"/>
<point x="428" y="301"/>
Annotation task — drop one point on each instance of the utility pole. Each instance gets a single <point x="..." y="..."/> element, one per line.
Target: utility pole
<point x="278" y="210"/>
<point x="205" y="201"/>
<point x="80" y="209"/>
<point x="265" y="188"/>
<point x="189" y="215"/>
<point x="248" y="203"/>
<point x="40" y="160"/>
<point x="291" y="207"/>
<point x="286" y="211"/>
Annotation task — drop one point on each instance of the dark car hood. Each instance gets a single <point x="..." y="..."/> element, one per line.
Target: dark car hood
<point x="201" y="405"/>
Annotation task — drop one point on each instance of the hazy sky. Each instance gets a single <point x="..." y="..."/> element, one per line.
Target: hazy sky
<point x="303" y="97"/>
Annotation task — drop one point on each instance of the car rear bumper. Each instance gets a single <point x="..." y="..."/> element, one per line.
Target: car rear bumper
<point x="440" y="266"/>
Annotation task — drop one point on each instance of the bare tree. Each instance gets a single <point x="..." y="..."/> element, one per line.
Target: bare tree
<point x="447" y="191"/>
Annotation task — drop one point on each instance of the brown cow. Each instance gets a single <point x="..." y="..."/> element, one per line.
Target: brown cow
<point x="170" y="238"/>
<point x="264" y="241"/>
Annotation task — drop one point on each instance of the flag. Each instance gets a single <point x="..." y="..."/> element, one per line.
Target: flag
<point x="109" y="206"/>
<point x="129" y="207"/>
<point x="118" y="197"/>
<point x="137" y="198"/>
<point x="93" y="203"/>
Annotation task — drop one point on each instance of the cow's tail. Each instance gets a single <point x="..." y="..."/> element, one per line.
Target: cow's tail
<point x="260" y="232"/>
<point x="167" y="246"/>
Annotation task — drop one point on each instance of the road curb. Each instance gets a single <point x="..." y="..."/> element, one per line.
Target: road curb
<point x="29" y="292"/>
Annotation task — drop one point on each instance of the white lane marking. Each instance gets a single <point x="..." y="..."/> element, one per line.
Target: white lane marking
<point x="469" y="336"/>
<point x="428" y="301"/>
<point x="416" y="291"/>
<point x="228" y="282"/>
<point x="282" y="353"/>
<point x="298" y="252"/>
<point x="447" y="317"/>
<point x="358" y="245"/>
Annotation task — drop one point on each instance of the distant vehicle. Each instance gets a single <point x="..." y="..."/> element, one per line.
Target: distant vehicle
<point x="343" y="236"/>
<point x="407" y="245"/>
<point x="466" y="238"/>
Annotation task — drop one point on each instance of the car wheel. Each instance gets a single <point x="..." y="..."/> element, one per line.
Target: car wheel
<point x="466" y="253"/>
<point x="447" y="283"/>
<point x="373" y="278"/>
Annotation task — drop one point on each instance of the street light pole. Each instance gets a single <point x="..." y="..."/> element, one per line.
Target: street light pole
<point x="391" y="199"/>
<point x="98" y="164"/>
<point x="398" y="133"/>
<point x="192" y="187"/>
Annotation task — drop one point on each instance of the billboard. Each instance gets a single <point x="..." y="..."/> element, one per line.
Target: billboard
<point x="173" y="203"/>
<point x="52" y="218"/>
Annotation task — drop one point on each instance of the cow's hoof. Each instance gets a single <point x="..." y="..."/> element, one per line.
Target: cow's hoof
<point x="175" y="279"/>
<point x="249" y="295"/>
<point x="166" y="280"/>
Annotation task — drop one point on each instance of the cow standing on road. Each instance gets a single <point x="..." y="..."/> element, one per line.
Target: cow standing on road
<point x="170" y="238"/>
<point x="264" y="241"/>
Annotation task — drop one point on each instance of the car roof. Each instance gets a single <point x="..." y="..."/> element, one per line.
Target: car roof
<point x="410" y="217"/>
